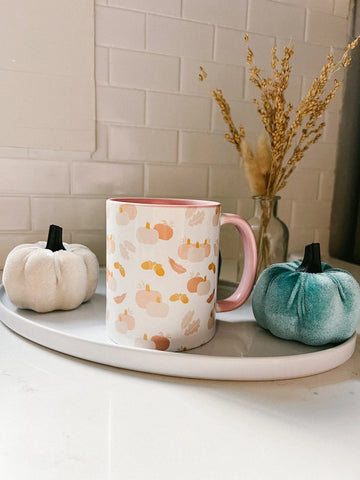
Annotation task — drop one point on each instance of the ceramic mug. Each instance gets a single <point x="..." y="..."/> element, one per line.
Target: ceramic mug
<point x="161" y="271"/>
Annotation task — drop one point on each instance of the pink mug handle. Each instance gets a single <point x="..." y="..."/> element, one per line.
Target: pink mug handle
<point x="250" y="260"/>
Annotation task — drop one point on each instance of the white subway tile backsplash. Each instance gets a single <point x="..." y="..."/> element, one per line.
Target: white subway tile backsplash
<point x="142" y="144"/>
<point x="342" y="8"/>
<point x="311" y="214"/>
<point x="228" y="181"/>
<point x="326" y="186"/>
<point x="101" y="148"/>
<point x="119" y="28"/>
<point x="96" y="242"/>
<point x="144" y="70"/>
<point x="308" y="59"/>
<point x="43" y="154"/>
<point x="320" y="5"/>
<point x="244" y="113"/>
<point x="284" y="211"/>
<point x="271" y="18"/>
<point x="178" y="111"/>
<point x="230" y="47"/>
<point x="179" y="37"/>
<point x="321" y="156"/>
<point x="229" y="12"/>
<point x="120" y="105"/>
<point x="332" y="124"/>
<point x="69" y="213"/>
<point x="230" y="78"/>
<point x="298" y="238"/>
<point x="245" y="207"/>
<point x="101" y="65"/>
<point x="64" y="107"/>
<point x="107" y="179"/>
<point x="39" y="37"/>
<point x="176" y="181"/>
<point x="13" y="152"/>
<point x="324" y="29"/>
<point x="229" y="242"/>
<point x="36" y="176"/>
<point x="322" y="235"/>
<point x="208" y="148"/>
<point x="14" y="213"/>
<point x="166" y="7"/>
<point x="303" y="183"/>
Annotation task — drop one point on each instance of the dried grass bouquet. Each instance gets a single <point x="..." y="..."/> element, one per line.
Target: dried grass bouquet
<point x="289" y="133"/>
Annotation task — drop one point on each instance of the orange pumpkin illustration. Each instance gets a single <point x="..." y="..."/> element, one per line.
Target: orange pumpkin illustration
<point x="193" y="283"/>
<point x="144" y="342"/>
<point x="206" y="247"/>
<point x="203" y="287"/>
<point x="110" y="244"/>
<point x="183" y="249"/>
<point x="196" y="253"/>
<point x="164" y="230"/>
<point x="110" y="280"/>
<point x="147" y="235"/>
<point x="157" y="308"/>
<point x="161" y="342"/>
<point x="143" y="297"/>
<point x="199" y="285"/>
<point x="126" y="213"/>
<point x="128" y="319"/>
<point x="122" y="218"/>
<point x="130" y="210"/>
<point x="216" y="217"/>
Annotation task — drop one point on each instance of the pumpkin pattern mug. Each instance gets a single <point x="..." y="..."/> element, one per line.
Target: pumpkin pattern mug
<point x="161" y="271"/>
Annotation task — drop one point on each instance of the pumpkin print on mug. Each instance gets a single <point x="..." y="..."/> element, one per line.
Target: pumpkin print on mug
<point x="162" y="263"/>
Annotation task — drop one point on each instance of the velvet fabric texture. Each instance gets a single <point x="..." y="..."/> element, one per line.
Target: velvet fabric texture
<point x="312" y="308"/>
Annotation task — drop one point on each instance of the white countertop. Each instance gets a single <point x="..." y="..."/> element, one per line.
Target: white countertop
<point x="64" y="418"/>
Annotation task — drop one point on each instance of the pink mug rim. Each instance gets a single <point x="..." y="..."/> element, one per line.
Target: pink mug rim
<point x="165" y="202"/>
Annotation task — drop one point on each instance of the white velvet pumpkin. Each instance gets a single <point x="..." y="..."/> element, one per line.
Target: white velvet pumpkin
<point x="43" y="280"/>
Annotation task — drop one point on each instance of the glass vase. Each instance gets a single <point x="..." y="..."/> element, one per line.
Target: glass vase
<point x="271" y="234"/>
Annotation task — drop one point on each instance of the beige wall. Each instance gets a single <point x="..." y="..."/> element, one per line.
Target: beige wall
<point x="47" y="97"/>
<point x="158" y="131"/>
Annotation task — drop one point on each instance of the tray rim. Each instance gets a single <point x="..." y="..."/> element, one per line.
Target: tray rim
<point x="179" y="364"/>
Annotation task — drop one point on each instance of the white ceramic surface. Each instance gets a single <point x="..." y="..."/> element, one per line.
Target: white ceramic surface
<point x="240" y="349"/>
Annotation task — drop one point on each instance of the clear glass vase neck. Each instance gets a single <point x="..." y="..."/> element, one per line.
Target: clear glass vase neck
<point x="262" y="202"/>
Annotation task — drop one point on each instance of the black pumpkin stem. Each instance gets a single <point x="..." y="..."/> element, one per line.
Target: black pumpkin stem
<point x="54" y="241"/>
<point x="312" y="260"/>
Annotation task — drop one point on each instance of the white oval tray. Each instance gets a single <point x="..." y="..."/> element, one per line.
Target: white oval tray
<point x="240" y="350"/>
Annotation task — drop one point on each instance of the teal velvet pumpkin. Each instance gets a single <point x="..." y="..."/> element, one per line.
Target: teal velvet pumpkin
<point x="311" y="302"/>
